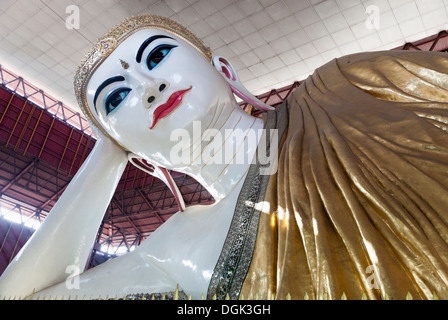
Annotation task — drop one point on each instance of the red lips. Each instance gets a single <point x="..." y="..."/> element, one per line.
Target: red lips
<point x="165" y="109"/>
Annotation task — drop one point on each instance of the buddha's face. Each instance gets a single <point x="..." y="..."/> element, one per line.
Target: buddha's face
<point x="152" y="84"/>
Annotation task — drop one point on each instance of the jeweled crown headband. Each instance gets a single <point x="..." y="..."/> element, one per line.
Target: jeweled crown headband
<point x="109" y="42"/>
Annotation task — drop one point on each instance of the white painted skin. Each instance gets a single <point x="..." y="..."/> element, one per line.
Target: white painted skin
<point x="185" y="249"/>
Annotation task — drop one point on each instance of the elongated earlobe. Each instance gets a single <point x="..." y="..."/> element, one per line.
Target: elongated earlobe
<point x="228" y="72"/>
<point x="160" y="173"/>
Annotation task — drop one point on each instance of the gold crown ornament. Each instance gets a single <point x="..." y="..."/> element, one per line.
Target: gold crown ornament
<point x="111" y="40"/>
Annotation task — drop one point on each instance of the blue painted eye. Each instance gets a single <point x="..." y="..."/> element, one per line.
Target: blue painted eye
<point x="114" y="99"/>
<point x="157" y="55"/>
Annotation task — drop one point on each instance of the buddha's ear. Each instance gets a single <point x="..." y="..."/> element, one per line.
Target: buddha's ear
<point x="160" y="173"/>
<point x="226" y="69"/>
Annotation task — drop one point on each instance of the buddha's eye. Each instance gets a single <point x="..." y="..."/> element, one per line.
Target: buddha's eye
<point x="115" y="98"/>
<point x="157" y="55"/>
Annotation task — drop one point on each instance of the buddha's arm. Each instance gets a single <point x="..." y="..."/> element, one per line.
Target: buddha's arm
<point x="65" y="238"/>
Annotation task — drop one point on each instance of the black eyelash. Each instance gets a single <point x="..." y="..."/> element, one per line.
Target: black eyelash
<point x="154" y="51"/>
<point x="112" y="95"/>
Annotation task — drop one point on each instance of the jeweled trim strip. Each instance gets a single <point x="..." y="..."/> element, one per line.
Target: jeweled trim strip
<point x="236" y="256"/>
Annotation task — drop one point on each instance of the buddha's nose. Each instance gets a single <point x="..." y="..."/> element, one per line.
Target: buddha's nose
<point x="153" y="93"/>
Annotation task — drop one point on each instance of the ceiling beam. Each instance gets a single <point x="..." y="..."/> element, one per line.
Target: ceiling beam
<point x="127" y="217"/>
<point x="53" y="197"/>
<point x="19" y="176"/>
<point x="156" y="214"/>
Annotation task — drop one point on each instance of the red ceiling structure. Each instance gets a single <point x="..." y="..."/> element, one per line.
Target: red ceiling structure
<point x="43" y="144"/>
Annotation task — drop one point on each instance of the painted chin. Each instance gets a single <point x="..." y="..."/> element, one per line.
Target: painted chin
<point x="164" y="110"/>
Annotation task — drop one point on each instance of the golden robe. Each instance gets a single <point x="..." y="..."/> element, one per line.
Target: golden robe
<point x="359" y="203"/>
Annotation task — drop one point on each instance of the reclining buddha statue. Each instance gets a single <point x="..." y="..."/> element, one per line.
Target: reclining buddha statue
<point x="353" y="202"/>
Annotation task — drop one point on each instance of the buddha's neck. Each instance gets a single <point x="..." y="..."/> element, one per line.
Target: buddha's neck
<point x="222" y="149"/>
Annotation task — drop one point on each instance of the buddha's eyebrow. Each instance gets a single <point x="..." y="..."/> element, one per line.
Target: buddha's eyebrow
<point x="146" y="43"/>
<point x="105" y="84"/>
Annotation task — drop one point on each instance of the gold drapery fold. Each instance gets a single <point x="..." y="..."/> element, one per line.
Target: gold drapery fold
<point x="359" y="204"/>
